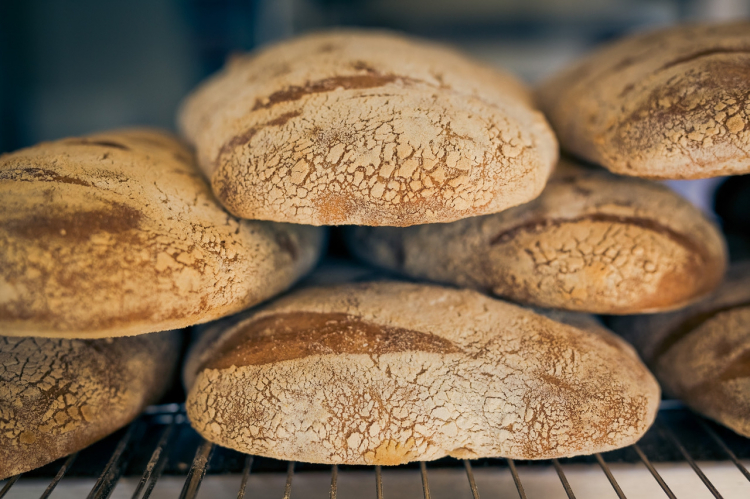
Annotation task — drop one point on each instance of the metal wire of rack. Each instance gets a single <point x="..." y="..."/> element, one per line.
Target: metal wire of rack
<point x="161" y="442"/>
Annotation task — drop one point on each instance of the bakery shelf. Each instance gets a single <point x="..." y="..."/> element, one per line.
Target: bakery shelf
<point x="159" y="455"/>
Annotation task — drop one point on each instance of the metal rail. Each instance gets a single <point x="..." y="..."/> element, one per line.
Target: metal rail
<point x="669" y="435"/>
<point x="168" y="426"/>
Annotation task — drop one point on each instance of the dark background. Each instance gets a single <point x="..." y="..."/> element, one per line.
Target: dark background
<point x="71" y="67"/>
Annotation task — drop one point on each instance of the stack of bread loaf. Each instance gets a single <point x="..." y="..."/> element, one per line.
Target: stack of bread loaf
<point x="675" y="104"/>
<point x="446" y="172"/>
<point x="109" y="244"/>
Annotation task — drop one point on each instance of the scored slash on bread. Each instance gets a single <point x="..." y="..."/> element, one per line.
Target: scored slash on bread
<point x="367" y="127"/>
<point x="390" y="372"/>
<point x="591" y="242"/>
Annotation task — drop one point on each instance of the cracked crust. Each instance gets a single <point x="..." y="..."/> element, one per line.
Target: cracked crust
<point x="58" y="396"/>
<point x="701" y="354"/>
<point x="118" y="234"/>
<point x="667" y="104"/>
<point x="390" y="372"/>
<point x="367" y="128"/>
<point x="591" y="242"/>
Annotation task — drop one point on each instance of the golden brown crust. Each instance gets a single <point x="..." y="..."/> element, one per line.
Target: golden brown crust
<point x="296" y="335"/>
<point x="702" y="354"/>
<point x="389" y="372"/>
<point x="58" y="396"/>
<point x="118" y="234"/>
<point x="667" y="104"/>
<point x="591" y="242"/>
<point x="369" y="128"/>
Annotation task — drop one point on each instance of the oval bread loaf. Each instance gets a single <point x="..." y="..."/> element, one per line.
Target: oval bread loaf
<point x="58" y="396"/>
<point x="368" y="128"/>
<point x="591" y="242"/>
<point x="702" y="354"/>
<point x="390" y="372"/>
<point x="667" y="104"/>
<point x="118" y="234"/>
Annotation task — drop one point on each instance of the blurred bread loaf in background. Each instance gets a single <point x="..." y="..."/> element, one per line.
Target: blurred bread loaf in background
<point x="117" y="234"/>
<point x="670" y="103"/>
<point x="701" y="354"/>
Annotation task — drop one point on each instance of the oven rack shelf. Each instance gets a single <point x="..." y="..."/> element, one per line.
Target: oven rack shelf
<point x="162" y="443"/>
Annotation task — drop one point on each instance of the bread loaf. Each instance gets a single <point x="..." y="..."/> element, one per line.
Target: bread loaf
<point x="117" y="234"/>
<point x="390" y="372"/>
<point x="368" y="128"/>
<point x="58" y="396"/>
<point x="591" y="242"/>
<point x="667" y="104"/>
<point x="702" y="354"/>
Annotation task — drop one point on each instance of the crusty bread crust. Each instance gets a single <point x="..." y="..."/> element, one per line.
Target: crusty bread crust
<point x="369" y="128"/>
<point x="118" y="234"/>
<point x="58" y="396"/>
<point x="389" y="372"/>
<point x="672" y="103"/>
<point x="701" y="354"/>
<point x="592" y="242"/>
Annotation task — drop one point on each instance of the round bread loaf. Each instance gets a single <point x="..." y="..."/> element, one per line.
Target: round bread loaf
<point x="58" y="396"/>
<point x="368" y="128"/>
<point x="118" y="234"/>
<point x="667" y="104"/>
<point x="390" y="372"/>
<point x="702" y="354"/>
<point x="591" y="242"/>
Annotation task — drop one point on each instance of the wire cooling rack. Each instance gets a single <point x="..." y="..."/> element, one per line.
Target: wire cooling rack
<point x="162" y="443"/>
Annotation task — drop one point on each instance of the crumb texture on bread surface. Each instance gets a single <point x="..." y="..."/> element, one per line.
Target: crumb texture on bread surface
<point x="672" y="103"/>
<point x="58" y="395"/>
<point x="118" y="234"/>
<point x="367" y="127"/>
<point x="701" y="354"/>
<point x="590" y="242"/>
<point x="388" y="372"/>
